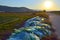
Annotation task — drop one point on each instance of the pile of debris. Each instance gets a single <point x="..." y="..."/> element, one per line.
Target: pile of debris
<point x="34" y="29"/>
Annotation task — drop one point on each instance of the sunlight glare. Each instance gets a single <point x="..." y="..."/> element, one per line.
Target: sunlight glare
<point x="48" y="4"/>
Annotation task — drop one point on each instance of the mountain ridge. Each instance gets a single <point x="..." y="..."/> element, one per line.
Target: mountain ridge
<point x="14" y="9"/>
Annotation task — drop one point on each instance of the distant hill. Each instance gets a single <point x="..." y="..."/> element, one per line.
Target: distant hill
<point x="14" y="9"/>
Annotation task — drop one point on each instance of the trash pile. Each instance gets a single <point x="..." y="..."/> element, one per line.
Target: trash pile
<point x="33" y="29"/>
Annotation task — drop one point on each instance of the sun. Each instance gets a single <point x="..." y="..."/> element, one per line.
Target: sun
<point x="47" y="4"/>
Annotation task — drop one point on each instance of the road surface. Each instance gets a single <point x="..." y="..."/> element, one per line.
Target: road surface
<point x="55" y="20"/>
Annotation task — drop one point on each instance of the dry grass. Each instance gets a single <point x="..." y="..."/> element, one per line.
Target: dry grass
<point x="7" y="28"/>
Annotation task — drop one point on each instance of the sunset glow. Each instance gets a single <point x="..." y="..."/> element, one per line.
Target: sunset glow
<point x="48" y="4"/>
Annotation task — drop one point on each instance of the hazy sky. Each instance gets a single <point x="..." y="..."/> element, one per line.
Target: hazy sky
<point x="33" y="4"/>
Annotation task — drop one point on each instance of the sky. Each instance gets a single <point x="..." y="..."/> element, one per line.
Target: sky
<point x="32" y="4"/>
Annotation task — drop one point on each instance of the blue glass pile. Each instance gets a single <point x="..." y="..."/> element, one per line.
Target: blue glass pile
<point x="33" y="29"/>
